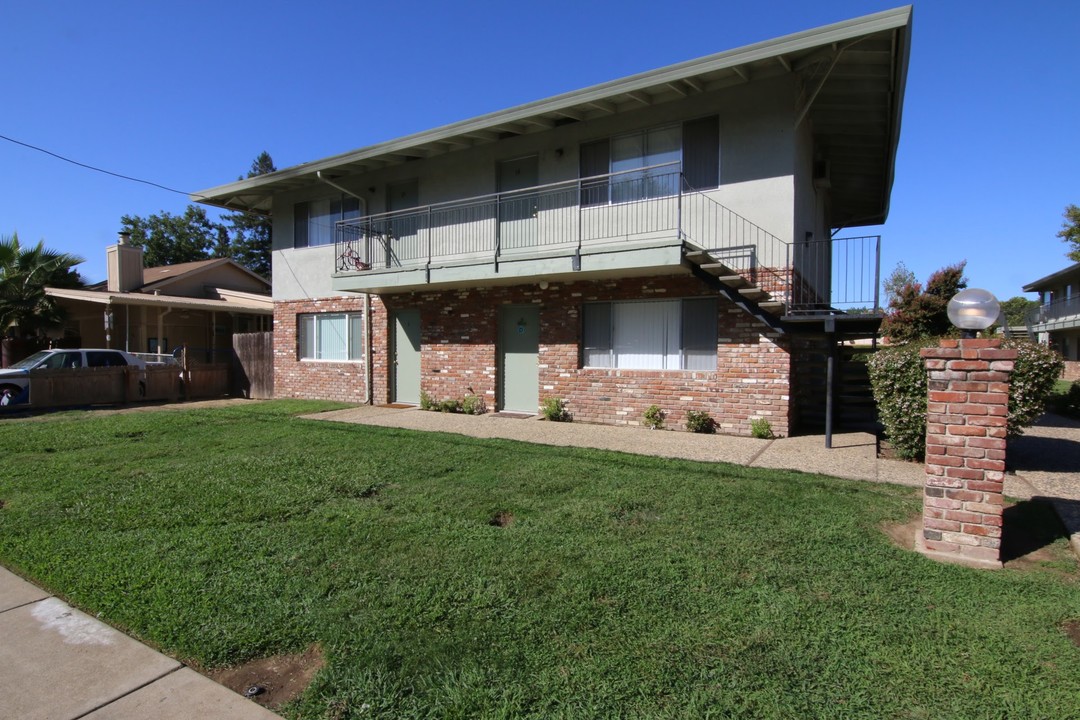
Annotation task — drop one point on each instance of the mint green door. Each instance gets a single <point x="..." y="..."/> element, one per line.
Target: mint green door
<point x="407" y="356"/>
<point x="519" y="351"/>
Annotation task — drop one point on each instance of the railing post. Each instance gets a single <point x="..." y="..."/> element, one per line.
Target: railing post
<point x="576" y="262"/>
<point x="877" y="274"/>
<point x="678" y="214"/>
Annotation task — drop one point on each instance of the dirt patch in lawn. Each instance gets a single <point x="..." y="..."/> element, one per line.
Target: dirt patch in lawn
<point x="1072" y="629"/>
<point x="502" y="519"/>
<point x="1029" y="532"/>
<point x="272" y="681"/>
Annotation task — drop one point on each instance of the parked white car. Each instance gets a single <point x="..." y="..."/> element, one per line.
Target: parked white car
<point x="15" y="380"/>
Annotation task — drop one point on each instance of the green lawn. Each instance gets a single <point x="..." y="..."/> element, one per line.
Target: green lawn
<point x="624" y="586"/>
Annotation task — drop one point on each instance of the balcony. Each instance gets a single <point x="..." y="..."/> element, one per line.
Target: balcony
<point x="636" y="222"/>
<point x="1058" y="315"/>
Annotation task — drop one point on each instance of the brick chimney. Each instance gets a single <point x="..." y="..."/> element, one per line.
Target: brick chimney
<point x="125" y="264"/>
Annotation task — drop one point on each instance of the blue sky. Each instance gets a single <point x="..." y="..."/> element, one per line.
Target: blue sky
<point x="187" y="94"/>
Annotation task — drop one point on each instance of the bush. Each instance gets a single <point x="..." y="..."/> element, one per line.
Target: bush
<point x="761" y="429"/>
<point x="473" y="405"/>
<point x="1066" y="399"/>
<point x="898" y="377"/>
<point x="427" y="402"/>
<point x="700" y="422"/>
<point x="450" y="406"/>
<point x="654" y="417"/>
<point x="554" y="409"/>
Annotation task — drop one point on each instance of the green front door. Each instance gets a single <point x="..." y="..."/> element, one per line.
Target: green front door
<point x="519" y="350"/>
<point x="407" y="356"/>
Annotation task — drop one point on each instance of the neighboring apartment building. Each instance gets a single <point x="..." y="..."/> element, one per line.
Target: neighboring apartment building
<point x="1057" y="319"/>
<point x="661" y="239"/>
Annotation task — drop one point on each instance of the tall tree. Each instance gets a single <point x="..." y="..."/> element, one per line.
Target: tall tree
<point x="1070" y="231"/>
<point x="168" y="239"/>
<point x="251" y="234"/>
<point x="896" y="281"/>
<point x="916" y="313"/>
<point x="1015" y="309"/>
<point x="25" y="310"/>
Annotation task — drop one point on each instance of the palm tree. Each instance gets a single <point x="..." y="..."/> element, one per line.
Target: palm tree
<point x="25" y="310"/>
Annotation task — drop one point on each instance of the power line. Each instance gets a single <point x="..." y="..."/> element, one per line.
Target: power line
<point x="91" y="167"/>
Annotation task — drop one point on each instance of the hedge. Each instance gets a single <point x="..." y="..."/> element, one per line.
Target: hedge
<point x="898" y="377"/>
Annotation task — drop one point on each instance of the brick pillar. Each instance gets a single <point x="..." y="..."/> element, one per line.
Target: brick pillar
<point x="966" y="413"/>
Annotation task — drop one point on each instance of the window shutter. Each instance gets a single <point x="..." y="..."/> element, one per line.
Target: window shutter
<point x="701" y="152"/>
<point x="595" y="160"/>
<point x="300" y="225"/>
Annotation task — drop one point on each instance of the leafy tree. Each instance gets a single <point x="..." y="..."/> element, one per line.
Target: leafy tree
<point x="1016" y="308"/>
<point x="896" y="281"/>
<point x="250" y="242"/>
<point x="168" y="239"/>
<point x="917" y="313"/>
<point x="1070" y="231"/>
<point x="25" y="310"/>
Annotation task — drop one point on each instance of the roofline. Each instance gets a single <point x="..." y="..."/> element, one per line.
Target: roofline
<point x="894" y="19"/>
<point x="216" y="262"/>
<point x="1034" y="286"/>
<point x="173" y="301"/>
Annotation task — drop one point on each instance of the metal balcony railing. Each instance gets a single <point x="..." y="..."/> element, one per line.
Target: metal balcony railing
<point x="618" y="208"/>
<point x="1059" y="311"/>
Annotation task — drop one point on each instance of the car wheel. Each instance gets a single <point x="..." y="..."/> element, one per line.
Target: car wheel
<point x="8" y="394"/>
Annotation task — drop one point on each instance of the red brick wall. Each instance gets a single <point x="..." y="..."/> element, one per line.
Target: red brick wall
<point x="458" y="355"/>
<point x="295" y="378"/>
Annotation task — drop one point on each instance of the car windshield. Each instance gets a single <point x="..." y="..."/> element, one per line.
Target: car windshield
<point x="30" y="362"/>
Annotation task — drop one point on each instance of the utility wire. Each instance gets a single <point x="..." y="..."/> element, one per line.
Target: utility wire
<point x="91" y="167"/>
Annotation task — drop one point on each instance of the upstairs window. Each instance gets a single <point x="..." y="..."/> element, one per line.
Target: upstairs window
<point x="651" y="335"/>
<point x="314" y="221"/>
<point x="331" y="336"/>
<point x="691" y="148"/>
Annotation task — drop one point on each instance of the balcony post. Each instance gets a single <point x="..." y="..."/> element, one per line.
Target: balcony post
<point x="678" y="215"/>
<point x="576" y="262"/>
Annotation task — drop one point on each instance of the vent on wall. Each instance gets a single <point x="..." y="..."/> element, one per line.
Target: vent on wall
<point x="822" y="174"/>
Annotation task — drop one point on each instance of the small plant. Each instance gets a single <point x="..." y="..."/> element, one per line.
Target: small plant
<point x="761" y="429"/>
<point x="700" y="422"/>
<point x="427" y="402"/>
<point x="473" y="405"/>
<point x="654" y="417"/>
<point x="554" y="409"/>
<point x="450" y="406"/>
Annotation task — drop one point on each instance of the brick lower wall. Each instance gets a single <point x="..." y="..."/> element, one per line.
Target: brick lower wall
<point x="295" y="378"/>
<point x="1072" y="370"/>
<point x="459" y="355"/>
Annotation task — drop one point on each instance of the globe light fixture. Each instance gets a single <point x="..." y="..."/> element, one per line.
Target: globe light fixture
<point x="972" y="310"/>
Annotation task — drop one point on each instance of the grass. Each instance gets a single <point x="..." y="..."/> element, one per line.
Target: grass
<point x="617" y="585"/>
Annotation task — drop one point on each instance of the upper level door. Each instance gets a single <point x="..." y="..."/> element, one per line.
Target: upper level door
<point x="518" y="211"/>
<point x="404" y="245"/>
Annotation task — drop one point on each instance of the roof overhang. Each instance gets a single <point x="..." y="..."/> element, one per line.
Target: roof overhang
<point x="1053" y="279"/>
<point x="249" y="304"/>
<point x="851" y="77"/>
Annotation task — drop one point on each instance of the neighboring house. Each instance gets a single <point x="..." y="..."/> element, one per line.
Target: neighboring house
<point x="158" y="309"/>
<point x="1057" y="319"/>
<point x="661" y="239"/>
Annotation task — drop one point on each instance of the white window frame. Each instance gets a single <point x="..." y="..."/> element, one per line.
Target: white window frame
<point x="312" y="345"/>
<point x="322" y="219"/>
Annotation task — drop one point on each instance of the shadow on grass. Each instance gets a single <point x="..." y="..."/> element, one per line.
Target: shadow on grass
<point x="1029" y="526"/>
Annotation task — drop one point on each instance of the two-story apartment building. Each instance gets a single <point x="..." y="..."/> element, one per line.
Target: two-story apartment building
<point x="1056" y="321"/>
<point x="665" y="238"/>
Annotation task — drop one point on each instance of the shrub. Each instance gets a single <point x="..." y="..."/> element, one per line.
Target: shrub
<point x="761" y="429"/>
<point x="1037" y="369"/>
<point x="473" y="405"/>
<point x="450" y="406"/>
<point x="898" y="377"/>
<point x="427" y="402"/>
<point x="654" y="417"/>
<point x="554" y="409"/>
<point x="700" y="422"/>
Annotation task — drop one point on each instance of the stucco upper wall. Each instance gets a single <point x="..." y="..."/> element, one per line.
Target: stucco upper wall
<point x="757" y="143"/>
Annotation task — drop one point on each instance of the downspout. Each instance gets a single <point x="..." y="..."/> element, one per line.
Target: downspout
<point x="368" y="373"/>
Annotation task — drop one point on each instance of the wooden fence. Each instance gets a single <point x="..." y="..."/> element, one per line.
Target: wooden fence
<point x="253" y="365"/>
<point x="100" y="385"/>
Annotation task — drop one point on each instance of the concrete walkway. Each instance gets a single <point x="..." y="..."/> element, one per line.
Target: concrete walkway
<point x="57" y="663"/>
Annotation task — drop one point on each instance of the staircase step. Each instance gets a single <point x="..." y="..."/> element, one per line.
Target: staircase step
<point x="753" y="293"/>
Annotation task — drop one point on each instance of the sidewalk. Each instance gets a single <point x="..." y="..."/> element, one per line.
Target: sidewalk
<point x="57" y="663"/>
